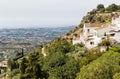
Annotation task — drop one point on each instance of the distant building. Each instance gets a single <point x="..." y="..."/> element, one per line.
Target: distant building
<point x="43" y="51"/>
<point x="89" y="37"/>
<point x="92" y="36"/>
<point x="4" y="63"/>
<point x="116" y="24"/>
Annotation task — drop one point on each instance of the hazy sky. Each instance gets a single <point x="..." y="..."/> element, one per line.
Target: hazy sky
<point x="26" y="13"/>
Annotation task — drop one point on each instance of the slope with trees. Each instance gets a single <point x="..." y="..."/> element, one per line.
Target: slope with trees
<point x="67" y="61"/>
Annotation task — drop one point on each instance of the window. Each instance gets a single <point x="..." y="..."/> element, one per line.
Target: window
<point x="92" y="43"/>
<point x="88" y="30"/>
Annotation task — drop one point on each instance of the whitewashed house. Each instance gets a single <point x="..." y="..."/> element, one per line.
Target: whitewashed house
<point x="116" y="24"/>
<point x="89" y="37"/>
<point x="116" y="28"/>
<point x="92" y="36"/>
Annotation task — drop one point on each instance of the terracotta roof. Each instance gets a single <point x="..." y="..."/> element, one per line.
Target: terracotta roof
<point x="112" y="31"/>
<point x="96" y="26"/>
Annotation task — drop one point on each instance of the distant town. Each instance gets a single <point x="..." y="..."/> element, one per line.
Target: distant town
<point x="12" y="41"/>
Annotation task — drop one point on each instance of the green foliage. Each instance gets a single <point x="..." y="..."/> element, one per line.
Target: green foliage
<point x="23" y="65"/>
<point x="101" y="14"/>
<point x="92" y="12"/>
<point x="79" y="45"/>
<point x="31" y="68"/>
<point x="12" y="64"/>
<point x="81" y="25"/>
<point x="112" y="8"/>
<point x="101" y="8"/>
<point x="19" y="55"/>
<point x="75" y="34"/>
<point x="89" y="64"/>
<point x="90" y="18"/>
<point x="54" y="60"/>
<point x="1" y="59"/>
<point x="90" y="56"/>
<point x="106" y="43"/>
<point x="67" y="71"/>
<point x="107" y="20"/>
<point x="70" y="69"/>
<point x="68" y="34"/>
<point x="116" y="48"/>
<point x="116" y="76"/>
<point x="100" y="19"/>
<point x="102" y="68"/>
<point x="60" y="45"/>
<point x="14" y="73"/>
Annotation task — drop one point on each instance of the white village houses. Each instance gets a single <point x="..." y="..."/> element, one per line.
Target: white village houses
<point x="92" y="36"/>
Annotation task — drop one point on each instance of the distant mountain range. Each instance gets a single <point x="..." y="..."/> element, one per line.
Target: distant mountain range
<point x="47" y="33"/>
<point x="30" y="37"/>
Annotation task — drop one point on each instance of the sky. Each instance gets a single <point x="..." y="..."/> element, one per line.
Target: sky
<point x="41" y="13"/>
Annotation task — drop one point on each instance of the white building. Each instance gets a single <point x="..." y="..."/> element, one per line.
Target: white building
<point x="91" y="36"/>
<point x="116" y="24"/>
<point x="116" y="28"/>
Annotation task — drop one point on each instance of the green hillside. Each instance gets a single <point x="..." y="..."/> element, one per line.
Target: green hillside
<point x="64" y="60"/>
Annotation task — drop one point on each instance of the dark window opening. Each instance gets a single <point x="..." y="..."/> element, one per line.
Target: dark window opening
<point x="92" y="43"/>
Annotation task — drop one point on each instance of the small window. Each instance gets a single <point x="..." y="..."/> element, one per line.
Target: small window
<point x="88" y="30"/>
<point x="92" y="43"/>
<point x="112" y="34"/>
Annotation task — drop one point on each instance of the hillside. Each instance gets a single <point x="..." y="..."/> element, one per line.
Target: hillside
<point x="100" y="16"/>
<point x="63" y="60"/>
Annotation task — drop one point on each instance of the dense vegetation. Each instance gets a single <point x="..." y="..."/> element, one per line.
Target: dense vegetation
<point x="67" y="61"/>
<point x="102" y="14"/>
<point x="105" y="67"/>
